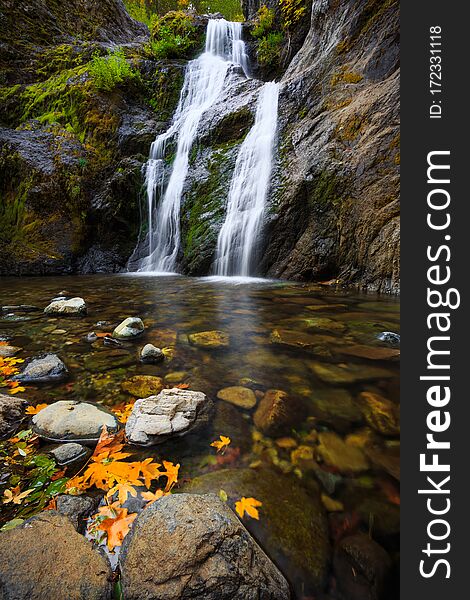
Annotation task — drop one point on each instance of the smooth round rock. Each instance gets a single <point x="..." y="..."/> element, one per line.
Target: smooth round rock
<point x="238" y="395"/>
<point x="151" y="354"/>
<point x="70" y="420"/>
<point x="43" y="369"/>
<point x="65" y="454"/>
<point x="73" y="307"/>
<point x="130" y="327"/>
<point x="389" y="337"/>
<point x="11" y="412"/>
<point x="336" y="453"/>
<point x="9" y="351"/>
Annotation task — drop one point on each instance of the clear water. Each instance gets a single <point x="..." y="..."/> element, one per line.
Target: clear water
<point x="248" y="310"/>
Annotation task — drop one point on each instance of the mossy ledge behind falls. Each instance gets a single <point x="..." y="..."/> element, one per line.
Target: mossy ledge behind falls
<point x="72" y="143"/>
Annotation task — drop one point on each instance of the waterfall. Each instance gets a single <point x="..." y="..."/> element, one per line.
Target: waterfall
<point x="236" y="244"/>
<point x="203" y="84"/>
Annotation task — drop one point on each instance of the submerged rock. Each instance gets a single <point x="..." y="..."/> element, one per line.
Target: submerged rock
<point x="344" y="374"/>
<point x="46" y="558"/>
<point x="73" y="421"/>
<point x="143" y="386"/>
<point x="275" y="413"/>
<point x="336" y="453"/>
<point x="203" y="552"/>
<point x="297" y="339"/>
<point x="238" y="395"/>
<point x="370" y="352"/>
<point x="11" y="412"/>
<point x="73" y="307"/>
<point x="130" y="327"/>
<point x="209" y="339"/>
<point x="292" y="527"/>
<point x="43" y="369"/>
<point x="335" y="406"/>
<point x="173" y="412"/>
<point x="151" y="354"/>
<point x="381" y="414"/>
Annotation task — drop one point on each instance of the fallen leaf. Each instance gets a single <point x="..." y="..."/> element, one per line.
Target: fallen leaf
<point x="248" y="505"/>
<point x="15" y="496"/>
<point x="117" y="528"/>
<point x="149" y="470"/>
<point x="171" y="473"/>
<point x="222" y="443"/>
<point x="33" y="410"/>
<point x="123" y="490"/>
<point x="182" y="386"/>
<point x="151" y="498"/>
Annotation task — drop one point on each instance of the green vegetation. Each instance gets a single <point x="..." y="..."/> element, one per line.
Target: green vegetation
<point x="144" y="10"/>
<point x="174" y="35"/>
<point x="264" y="22"/>
<point x="107" y="72"/>
<point x="270" y="49"/>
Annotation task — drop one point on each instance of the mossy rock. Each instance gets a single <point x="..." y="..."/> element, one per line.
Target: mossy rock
<point x="292" y="528"/>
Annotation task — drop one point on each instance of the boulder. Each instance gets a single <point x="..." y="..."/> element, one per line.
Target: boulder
<point x="274" y="415"/>
<point x="238" y="395"/>
<point x="11" y="412"/>
<point x="77" y="509"/>
<point x="209" y="339"/>
<point x="380" y="413"/>
<point x="129" y="328"/>
<point x="43" y="369"/>
<point x="66" y="454"/>
<point x="72" y="307"/>
<point x="143" y="386"/>
<point x="151" y="354"/>
<point x="389" y="337"/>
<point x="73" y="421"/>
<point x="292" y="527"/>
<point x="203" y="552"/>
<point x="46" y="558"/>
<point x="8" y="351"/>
<point x="173" y="412"/>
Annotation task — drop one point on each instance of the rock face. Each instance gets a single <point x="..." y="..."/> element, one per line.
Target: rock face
<point x="72" y="307"/>
<point x="173" y="412"/>
<point x="56" y="562"/>
<point x="11" y="412"/>
<point x="43" y="369"/>
<point x="69" y="420"/>
<point x="203" y="552"/>
<point x="129" y="328"/>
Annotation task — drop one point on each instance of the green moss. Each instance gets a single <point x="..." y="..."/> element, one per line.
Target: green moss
<point x="233" y="127"/>
<point x="351" y="128"/>
<point x="345" y="76"/>
<point x="164" y="90"/>
<point x="110" y="71"/>
<point x="326" y="190"/>
<point x="263" y="22"/>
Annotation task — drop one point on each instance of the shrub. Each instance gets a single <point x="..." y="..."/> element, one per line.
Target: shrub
<point x="111" y="70"/>
<point x="269" y="49"/>
<point x="264" y="22"/>
<point x="292" y="11"/>
<point x="174" y="35"/>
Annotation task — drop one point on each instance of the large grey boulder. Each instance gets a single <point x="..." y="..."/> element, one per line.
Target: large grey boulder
<point x="43" y="369"/>
<point x="11" y="412"/>
<point x="173" y="412"/>
<point x="73" y="421"/>
<point x="203" y="552"/>
<point x="72" y="307"/>
<point x="46" y="558"/>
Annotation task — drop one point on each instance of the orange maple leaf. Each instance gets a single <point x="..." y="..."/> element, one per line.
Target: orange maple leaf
<point x="248" y="505"/>
<point x="171" y="473"/>
<point x="149" y="471"/>
<point x="151" y="498"/>
<point x="182" y="386"/>
<point x="117" y="528"/>
<point x="222" y="443"/>
<point x="123" y="490"/>
<point x="33" y="410"/>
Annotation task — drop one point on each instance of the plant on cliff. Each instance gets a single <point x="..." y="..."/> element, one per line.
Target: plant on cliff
<point x="269" y="40"/>
<point x="291" y="12"/>
<point x="107" y="72"/>
<point x="173" y="35"/>
<point x="264" y="22"/>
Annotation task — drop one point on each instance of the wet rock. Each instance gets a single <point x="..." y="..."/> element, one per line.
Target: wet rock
<point x="384" y="458"/>
<point x="381" y="414"/>
<point x="72" y="307"/>
<point x="19" y="308"/>
<point x="66" y="454"/>
<point x="292" y="526"/>
<point x="173" y="412"/>
<point x="105" y="361"/>
<point x="393" y="339"/>
<point x="276" y="413"/>
<point x="238" y="395"/>
<point x="336" y="453"/>
<point x="56" y="562"/>
<point x="129" y="328"/>
<point x="209" y="339"/>
<point x="70" y="420"/>
<point x="304" y="458"/>
<point x="91" y="337"/>
<point x="77" y="508"/>
<point x="203" y="552"/>
<point x="351" y="373"/>
<point x="335" y="406"/>
<point x="11" y="412"/>
<point x="143" y="386"/>
<point x="331" y="505"/>
<point x="151" y="354"/>
<point x="9" y="351"/>
<point x="370" y="352"/>
<point x="231" y="422"/>
<point x="361" y="568"/>
<point x="43" y="369"/>
<point x="112" y="343"/>
<point x="176" y="376"/>
<point x="297" y="339"/>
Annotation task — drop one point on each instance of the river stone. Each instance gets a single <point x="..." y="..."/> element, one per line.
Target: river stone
<point x="65" y="454"/>
<point x="45" y="558"/>
<point x="351" y="373"/>
<point x="151" y="354"/>
<point x="209" y="339"/>
<point x="361" y="568"/>
<point x="381" y="413"/>
<point x="238" y="395"/>
<point x="389" y="337"/>
<point x="232" y="422"/>
<point x="74" y="421"/>
<point x="11" y="412"/>
<point x="292" y="527"/>
<point x="8" y="351"/>
<point x="335" y="406"/>
<point x="43" y="369"/>
<point x="74" y="306"/>
<point x="203" y="552"/>
<point x="143" y="386"/>
<point x="370" y="352"/>
<point x="297" y="339"/>
<point x="130" y="327"/>
<point x="336" y="453"/>
<point x="173" y="412"/>
<point x="77" y="508"/>
<point x="275" y="413"/>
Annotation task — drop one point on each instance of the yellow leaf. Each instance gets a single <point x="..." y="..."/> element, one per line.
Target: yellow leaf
<point x="248" y="505"/>
<point x="222" y="443"/>
<point x="171" y="473"/>
<point x="123" y="490"/>
<point x="33" y="410"/>
<point x="15" y="496"/>
<point x="149" y="471"/>
<point x="117" y="528"/>
<point x="151" y="498"/>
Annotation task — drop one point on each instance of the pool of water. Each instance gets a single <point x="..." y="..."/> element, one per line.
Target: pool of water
<point x="317" y="344"/>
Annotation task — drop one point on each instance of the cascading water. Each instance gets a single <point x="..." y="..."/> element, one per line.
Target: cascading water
<point x="203" y="84"/>
<point x="246" y="203"/>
